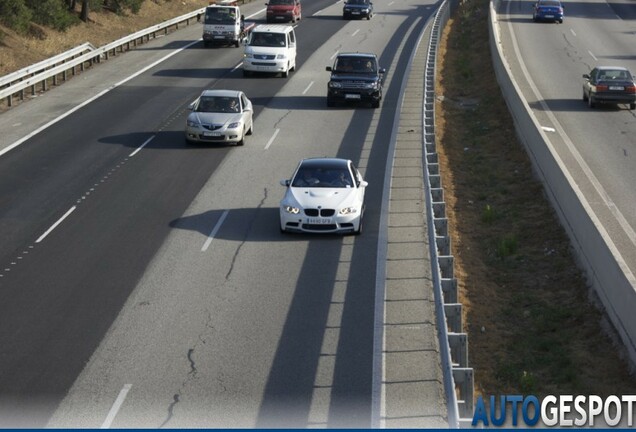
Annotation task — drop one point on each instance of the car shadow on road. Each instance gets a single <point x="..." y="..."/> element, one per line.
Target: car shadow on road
<point x="162" y="140"/>
<point x="572" y="105"/>
<point x="261" y="224"/>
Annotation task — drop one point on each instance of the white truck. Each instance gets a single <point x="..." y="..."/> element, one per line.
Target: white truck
<point x="224" y="24"/>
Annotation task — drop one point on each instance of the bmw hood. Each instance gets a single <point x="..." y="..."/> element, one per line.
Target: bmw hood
<point x="335" y="198"/>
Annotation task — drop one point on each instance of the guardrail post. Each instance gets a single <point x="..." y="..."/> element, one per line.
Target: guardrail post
<point x="449" y="289"/>
<point x="443" y="245"/>
<point x="459" y="347"/>
<point x="447" y="265"/>
<point x="464" y="381"/>
<point x="453" y="312"/>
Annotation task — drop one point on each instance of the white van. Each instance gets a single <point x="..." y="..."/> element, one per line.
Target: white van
<point x="270" y="48"/>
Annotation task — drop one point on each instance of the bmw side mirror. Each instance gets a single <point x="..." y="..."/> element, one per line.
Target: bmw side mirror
<point x="284" y="183"/>
<point x="586" y="76"/>
<point x="191" y="106"/>
<point x="382" y="70"/>
<point x="328" y="68"/>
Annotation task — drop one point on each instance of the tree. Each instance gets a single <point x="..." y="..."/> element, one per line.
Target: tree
<point x="84" y="13"/>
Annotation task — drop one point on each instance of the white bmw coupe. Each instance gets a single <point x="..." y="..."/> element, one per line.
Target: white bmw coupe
<point x="325" y="195"/>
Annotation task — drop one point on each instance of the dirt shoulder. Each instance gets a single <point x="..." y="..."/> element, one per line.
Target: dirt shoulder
<point x="531" y="326"/>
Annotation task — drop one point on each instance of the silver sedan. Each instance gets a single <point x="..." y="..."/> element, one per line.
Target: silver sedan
<point x="219" y="116"/>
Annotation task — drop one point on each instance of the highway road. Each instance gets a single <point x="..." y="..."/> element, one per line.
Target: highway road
<point x="598" y="146"/>
<point x="144" y="283"/>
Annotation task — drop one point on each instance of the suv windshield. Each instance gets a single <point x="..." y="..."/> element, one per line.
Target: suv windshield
<point x="355" y="64"/>
<point x="357" y="2"/>
<point x="267" y="39"/>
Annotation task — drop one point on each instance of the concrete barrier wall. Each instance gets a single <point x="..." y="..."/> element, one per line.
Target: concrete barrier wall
<point x="607" y="273"/>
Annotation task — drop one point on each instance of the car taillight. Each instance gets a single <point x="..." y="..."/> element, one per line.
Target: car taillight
<point x="602" y="87"/>
<point x="631" y="89"/>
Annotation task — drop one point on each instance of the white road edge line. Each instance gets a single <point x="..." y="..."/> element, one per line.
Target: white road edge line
<point x="355" y="33"/>
<point x="59" y="221"/>
<point x="334" y="54"/>
<point x="116" y="406"/>
<point x="216" y="228"/>
<point x="593" y="56"/>
<point x="572" y="31"/>
<point x="308" y="87"/>
<point x="141" y="146"/>
<point x="271" y="140"/>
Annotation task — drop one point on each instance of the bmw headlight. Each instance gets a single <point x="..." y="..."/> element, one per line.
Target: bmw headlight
<point x="281" y="57"/>
<point x="347" y="210"/>
<point x="365" y="10"/>
<point x="334" y="84"/>
<point x="233" y="125"/>
<point x="192" y="123"/>
<point x="291" y="209"/>
<point x="371" y="85"/>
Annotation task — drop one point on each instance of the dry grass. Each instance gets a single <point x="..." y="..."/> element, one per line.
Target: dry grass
<point x="531" y="326"/>
<point x="18" y="51"/>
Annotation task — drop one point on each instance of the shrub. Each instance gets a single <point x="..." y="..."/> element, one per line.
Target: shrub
<point x="15" y="14"/>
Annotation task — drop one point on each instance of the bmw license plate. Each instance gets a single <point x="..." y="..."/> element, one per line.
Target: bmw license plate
<point x="212" y="134"/>
<point x="355" y="13"/>
<point x="219" y="37"/>
<point x="352" y="96"/>
<point x="617" y="88"/>
<point x="319" y="221"/>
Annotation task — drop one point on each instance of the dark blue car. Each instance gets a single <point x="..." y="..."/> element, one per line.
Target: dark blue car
<point x="357" y="9"/>
<point x="547" y="10"/>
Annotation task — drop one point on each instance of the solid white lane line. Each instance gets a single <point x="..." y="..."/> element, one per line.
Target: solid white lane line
<point x="59" y="221"/>
<point x="116" y="406"/>
<point x="308" y="87"/>
<point x="355" y="33"/>
<point x="216" y="228"/>
<point x="572" y="31"/>
<point x="595" y="59"/>
<point x="334" y="54"/>
<point x="271" y="140"/>
<point x="141" y="146"/>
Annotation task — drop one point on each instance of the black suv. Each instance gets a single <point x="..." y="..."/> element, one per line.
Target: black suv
<point x="355" y="77"/>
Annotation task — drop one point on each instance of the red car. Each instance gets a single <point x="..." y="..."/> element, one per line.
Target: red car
<point x="283" y="10"/>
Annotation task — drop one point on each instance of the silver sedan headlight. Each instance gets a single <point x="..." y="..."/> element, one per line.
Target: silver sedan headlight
<point x="192" y="123"/>
<point x="234" y="125"/>
<point x="347" y="210"/>
<point x="291" y="209"/>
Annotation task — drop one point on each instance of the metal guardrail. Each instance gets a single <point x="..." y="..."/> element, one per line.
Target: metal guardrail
<point x="52" y="69"/>
<point x="459" y="378"/>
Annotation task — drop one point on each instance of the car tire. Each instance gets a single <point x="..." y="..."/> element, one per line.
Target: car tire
<point x="251" y="130"/>
<point x="590" y="102"/>
<point x="632" y="106"/>
<point x="237" y="43"/>
<point x="368" y="17"/>
<point x="360" y="225"/>
<point x="242" y="141"/>
<point x="584" y="96"/>
<point x="560" y="21"/>
<point x="286" y="73"/>
<point x="375" y="104"/>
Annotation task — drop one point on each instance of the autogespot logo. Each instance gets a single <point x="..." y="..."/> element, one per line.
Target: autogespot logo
<point x="559" y="411"/>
